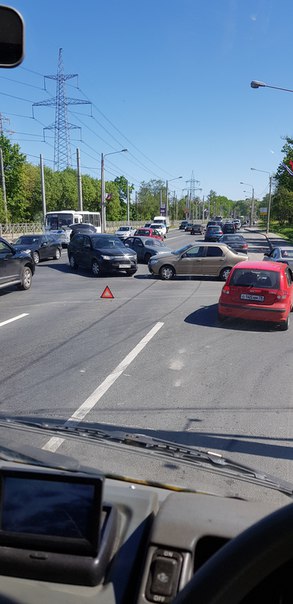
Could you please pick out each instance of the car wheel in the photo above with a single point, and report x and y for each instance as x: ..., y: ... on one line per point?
x: 96, y: 269
x: 224, y: 274
x: 285, y: 324
x: 167, y: 272
x: 36, y: 257
x: 147, y: 257
x: 72, y: 262
x: 130, y: 273
x: 26, y: 278
x: 57, y: 254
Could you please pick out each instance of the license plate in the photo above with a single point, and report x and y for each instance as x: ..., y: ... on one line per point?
x: 252, y: 297
x: 124, y: 265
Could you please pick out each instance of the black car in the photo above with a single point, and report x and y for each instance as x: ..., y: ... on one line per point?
x: 81, y: 227
x: 16, y: 266
x: 197, y: 229
x: 101, y: 254
x: 235, y: 241
x: 41, y: 247
x: 213, y: 233
x: 145, y: 247
x: 183, y: 225
x: 228, y: 227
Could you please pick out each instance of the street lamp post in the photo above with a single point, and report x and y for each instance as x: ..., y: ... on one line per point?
x: 252, y: 200
x: 167, y: 183
x: 270, y: 196
x: 103, y: 204
x: 257, y: 84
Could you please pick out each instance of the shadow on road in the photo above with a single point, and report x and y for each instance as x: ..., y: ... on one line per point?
x: 207, y: 317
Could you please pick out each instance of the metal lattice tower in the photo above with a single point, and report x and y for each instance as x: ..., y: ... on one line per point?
x: 61, y: 126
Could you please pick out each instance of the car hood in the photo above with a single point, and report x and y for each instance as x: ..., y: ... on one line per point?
x: 113, y: 453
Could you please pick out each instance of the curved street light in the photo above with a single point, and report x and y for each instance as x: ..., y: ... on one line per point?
x: 167, y: 183
x: 270, y: 196
x: 103, y: 204
x: 257, y: 84
x: 252, y: 201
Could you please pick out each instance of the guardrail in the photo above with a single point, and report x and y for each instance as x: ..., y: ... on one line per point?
x: 12, y: 230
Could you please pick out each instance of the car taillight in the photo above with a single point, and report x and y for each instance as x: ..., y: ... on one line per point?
x: 245, y: 246
x: 226, y: 290
x: 282, y: 295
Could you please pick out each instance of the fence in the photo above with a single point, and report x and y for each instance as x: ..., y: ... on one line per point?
x: 11, y: 231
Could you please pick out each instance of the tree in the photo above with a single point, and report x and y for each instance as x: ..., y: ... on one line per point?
x: 282, y: 200
x: 13, y: 162
x: 149, y: 197
x: 121, y: 183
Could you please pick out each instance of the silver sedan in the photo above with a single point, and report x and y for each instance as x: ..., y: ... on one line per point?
x: 281, y: 254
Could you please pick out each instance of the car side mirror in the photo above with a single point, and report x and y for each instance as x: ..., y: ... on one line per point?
x: 11, y: 37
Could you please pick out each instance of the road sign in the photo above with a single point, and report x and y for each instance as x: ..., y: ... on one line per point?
x: 107, y: 293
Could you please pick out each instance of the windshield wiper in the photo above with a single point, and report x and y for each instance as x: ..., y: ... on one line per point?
x: 167, y: 449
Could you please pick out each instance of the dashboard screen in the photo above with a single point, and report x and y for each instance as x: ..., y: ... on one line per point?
x: 53, y: 510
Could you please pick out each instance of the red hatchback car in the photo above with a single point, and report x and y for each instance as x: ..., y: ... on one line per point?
x: 146, y: 232
x: 258, y: 291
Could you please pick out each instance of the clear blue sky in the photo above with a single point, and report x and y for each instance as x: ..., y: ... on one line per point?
x: 173, y: 76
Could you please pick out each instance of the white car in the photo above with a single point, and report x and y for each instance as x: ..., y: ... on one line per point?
x: 125, y: 231
x: 161, y: 228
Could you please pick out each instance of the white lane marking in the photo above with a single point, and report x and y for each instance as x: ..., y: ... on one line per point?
x: 54, y: 443
x: 24, y: 314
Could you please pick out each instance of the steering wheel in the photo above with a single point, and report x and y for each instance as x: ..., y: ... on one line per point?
x: 240, y: 565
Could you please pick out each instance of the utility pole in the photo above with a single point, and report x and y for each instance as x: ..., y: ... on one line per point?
x: 61, y: 126
x: 252, y: 207
x: 3, y: 186
x: 79, y: 181
x: 103, y: 208
x: 128, y: 218
x: 43, y: 187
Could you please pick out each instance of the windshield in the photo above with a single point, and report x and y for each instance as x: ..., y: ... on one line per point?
x: 27, y: 239
x: 107, y: 242
x: 59, y: 221
x: 143, y: 113
x: 181, y: 250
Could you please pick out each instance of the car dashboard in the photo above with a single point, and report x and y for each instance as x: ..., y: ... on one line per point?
x: 110, y: 541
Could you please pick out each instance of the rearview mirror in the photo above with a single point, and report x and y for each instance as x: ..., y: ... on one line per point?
x: 11, y: 37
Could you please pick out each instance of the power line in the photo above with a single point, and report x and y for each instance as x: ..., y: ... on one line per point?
x: 123, y: 135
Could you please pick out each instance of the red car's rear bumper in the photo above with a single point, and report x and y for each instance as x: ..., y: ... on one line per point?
x: 254, y: 312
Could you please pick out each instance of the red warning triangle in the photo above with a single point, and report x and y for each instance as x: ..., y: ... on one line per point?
x: 107, y: 293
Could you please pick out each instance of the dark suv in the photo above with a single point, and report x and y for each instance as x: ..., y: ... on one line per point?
x: 16, y: 267
x: 101, y: 254
x: 81, y: 227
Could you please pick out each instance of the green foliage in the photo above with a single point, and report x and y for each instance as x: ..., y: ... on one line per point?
x: 13, y: 162
x: 149, y: 197
x: 282, y: 199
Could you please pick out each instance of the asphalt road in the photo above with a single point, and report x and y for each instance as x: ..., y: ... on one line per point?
x: 153, y: 359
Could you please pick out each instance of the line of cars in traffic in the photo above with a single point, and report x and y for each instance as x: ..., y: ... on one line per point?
x: 255, y: 290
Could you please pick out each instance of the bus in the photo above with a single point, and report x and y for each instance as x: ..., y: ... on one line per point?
x: 60, y: 221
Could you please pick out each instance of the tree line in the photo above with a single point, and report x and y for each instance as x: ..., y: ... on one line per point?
x: 24, y: 199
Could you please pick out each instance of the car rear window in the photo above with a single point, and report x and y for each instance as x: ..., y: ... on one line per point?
x: 255, y: 278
